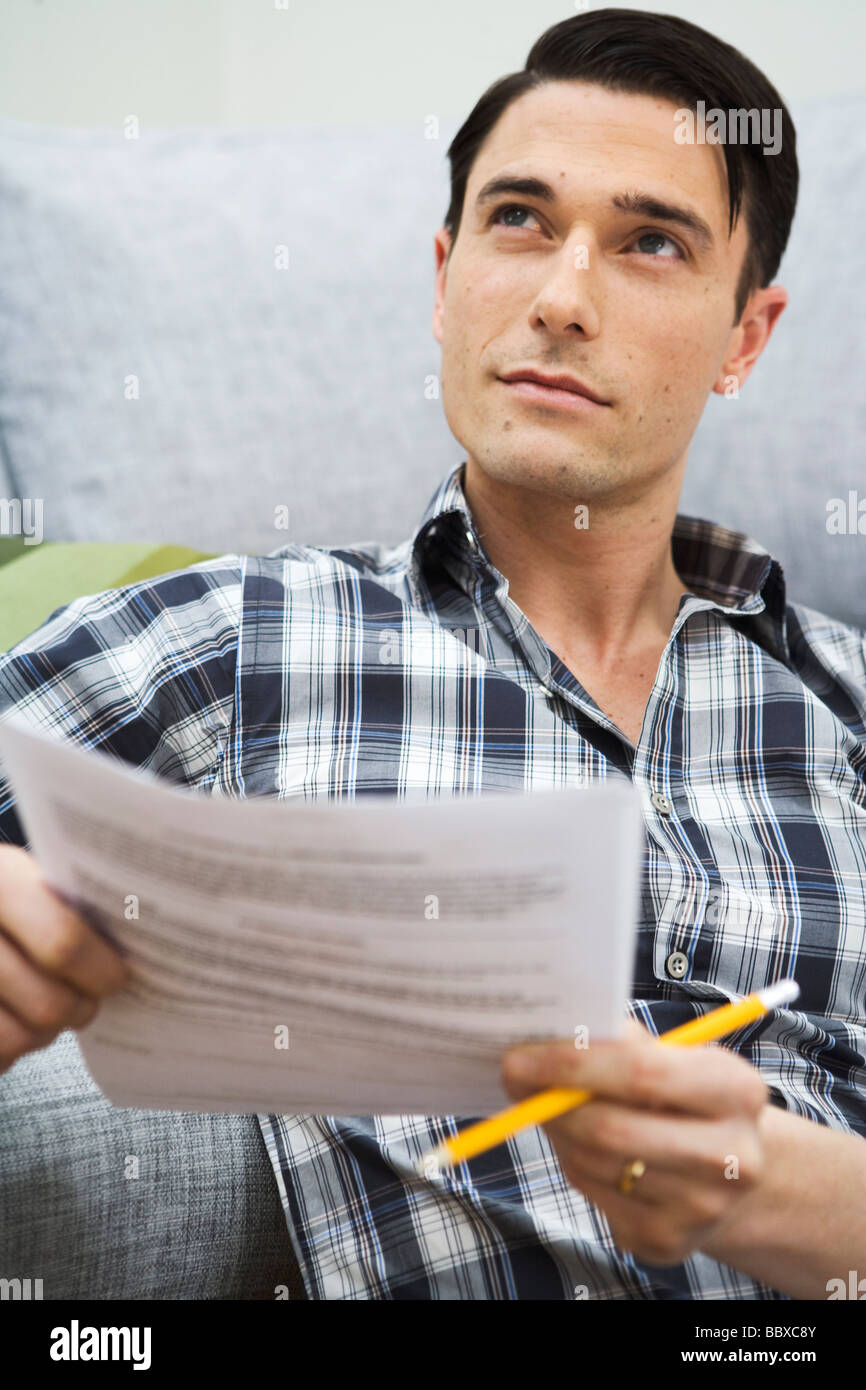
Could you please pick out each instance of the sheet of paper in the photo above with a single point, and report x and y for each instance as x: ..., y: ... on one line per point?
x: 348, y: 958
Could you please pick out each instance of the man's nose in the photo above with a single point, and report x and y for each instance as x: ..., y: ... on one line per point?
x: 569, y: 293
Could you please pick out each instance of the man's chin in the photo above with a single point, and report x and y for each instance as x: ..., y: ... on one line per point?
x: 557, y: 473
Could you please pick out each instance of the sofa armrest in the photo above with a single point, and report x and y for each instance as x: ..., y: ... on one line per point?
x: 201, y: 1220
x: 37, y: 579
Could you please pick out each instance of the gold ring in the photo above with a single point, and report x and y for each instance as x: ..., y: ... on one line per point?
x: 631, y: 1173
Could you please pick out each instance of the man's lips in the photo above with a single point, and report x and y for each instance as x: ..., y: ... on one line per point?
x: 558, y: 392
x: 563, y: 381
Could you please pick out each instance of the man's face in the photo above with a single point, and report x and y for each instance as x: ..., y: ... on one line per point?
x: 636, y: 306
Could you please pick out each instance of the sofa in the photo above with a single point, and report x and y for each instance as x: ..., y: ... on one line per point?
x: 205, y: 333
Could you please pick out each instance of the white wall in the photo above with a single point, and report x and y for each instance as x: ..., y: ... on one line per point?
x: 94, y: 62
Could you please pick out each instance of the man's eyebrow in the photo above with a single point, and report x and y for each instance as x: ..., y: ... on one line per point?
x: 644, y: 205
x: 640, y: 204
x: 511, y: 183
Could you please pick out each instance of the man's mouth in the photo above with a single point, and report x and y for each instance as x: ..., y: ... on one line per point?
x: 561, y: 392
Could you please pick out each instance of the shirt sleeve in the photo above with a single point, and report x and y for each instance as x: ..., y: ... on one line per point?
x: 815, y: 1066
x: 145, y: 672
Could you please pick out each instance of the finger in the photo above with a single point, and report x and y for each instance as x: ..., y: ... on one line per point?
x: 35, y: 999
x: 710, y: 1080
x: 601, y: 1137
x: 649, y: 1232
x: 51, y: 934
x: 16, y: 1039
x: 688, y: 1204
x: 520, y: 1089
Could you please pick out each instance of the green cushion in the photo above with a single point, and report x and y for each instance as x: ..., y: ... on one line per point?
x: 37, y: 579
x: 10, y: 546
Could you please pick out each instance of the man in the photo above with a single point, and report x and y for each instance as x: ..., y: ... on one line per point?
x: 553, y: 618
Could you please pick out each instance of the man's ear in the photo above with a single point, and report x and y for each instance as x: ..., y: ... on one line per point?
x: 441, y: 247
x: 750, y: 337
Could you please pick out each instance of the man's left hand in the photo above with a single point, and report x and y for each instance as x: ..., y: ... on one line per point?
x: 690, y: 1114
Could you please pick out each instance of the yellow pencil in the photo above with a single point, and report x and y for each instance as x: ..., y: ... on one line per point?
x: 548, y: 1104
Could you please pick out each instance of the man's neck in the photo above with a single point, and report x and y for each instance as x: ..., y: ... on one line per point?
x: 601, y: 592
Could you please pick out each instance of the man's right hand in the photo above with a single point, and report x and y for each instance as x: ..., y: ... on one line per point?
x: 55, y: 968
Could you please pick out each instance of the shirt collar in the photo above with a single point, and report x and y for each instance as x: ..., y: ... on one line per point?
x: 727, y: 569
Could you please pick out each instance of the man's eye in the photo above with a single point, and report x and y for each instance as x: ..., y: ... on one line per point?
x: 509, y: 208
x: 656, y: 237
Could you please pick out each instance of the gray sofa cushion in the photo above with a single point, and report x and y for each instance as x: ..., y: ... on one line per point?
x: 259, y: 386
x: 203, y: 1220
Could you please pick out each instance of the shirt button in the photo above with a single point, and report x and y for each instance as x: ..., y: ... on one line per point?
x: 471, y: 539
x: 677, y: 965
x: 661, y: 803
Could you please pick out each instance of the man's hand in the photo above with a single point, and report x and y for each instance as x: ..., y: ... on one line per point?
x: 691, y: 1114
x: 54, y: 967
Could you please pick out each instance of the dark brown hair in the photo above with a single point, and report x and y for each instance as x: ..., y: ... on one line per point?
x: 658, y: 55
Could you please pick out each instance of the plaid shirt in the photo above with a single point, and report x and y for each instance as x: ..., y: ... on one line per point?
x: 336, y: 672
